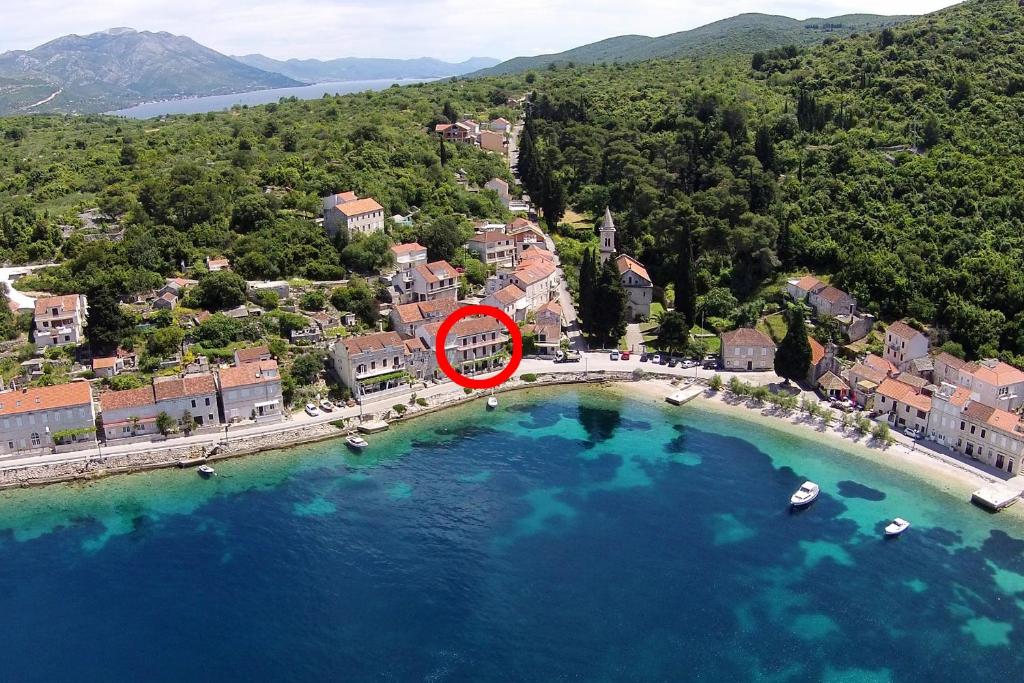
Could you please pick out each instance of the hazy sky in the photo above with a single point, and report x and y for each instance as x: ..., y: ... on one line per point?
x: 446, y: 29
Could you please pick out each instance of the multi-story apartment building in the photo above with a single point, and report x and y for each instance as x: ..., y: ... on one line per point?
x: 903, y: 344
x: 473, y: 344
x: 994, y: 382
x: 60, y: 320
x: 433, y: 281
x: 493, y: 248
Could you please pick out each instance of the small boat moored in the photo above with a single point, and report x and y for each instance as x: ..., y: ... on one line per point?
x: 206, y: 471
x: 805, y: 495
x: 492, y: 402
x: 357, y: 442
x: 897, y: 527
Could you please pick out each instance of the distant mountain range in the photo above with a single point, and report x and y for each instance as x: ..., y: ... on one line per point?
x: 118, y: 68
x: 364, y: 69
x: 745, y: 33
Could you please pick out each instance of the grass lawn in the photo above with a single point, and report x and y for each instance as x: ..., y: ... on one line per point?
x: 774, y: 326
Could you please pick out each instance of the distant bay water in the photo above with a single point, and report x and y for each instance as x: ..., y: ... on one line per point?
x: 200, y: 105
x: 569, y: 535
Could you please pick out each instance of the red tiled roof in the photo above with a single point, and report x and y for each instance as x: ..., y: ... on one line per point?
x: 358, y: 207
x: 534, y: 271
x: 67, y: 302
x: 809, y: 283
x: 129, y: 398
x: 103, y: 363
x: 832, y: 294
x: 414, y: 344
x: 508, y: 295
x: 902, y: 330
x: 169, y: 297
x: 995, y: 373
x: 865, y: 371
x: 879, y: 363
x: 552, y: 307
x: 372, y: 342
x: 950, y: 360
x: 490, y: 236
x: 407, y: 248
x: 251, y: 354
x: 45, y: 398
x: 817, y: 350
x: 436, y: 271
x: 904, y: 393
x: 180, y: 387
x: 261, y: 372
x: 746, y: 336
x: 624, y: 263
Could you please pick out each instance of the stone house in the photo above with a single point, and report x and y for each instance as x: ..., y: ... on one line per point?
x: 36, y: 420
x: 747, y: 349
x: 251, y: 391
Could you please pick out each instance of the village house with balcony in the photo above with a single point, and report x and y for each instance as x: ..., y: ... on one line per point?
x: 903, y: 405
x: 434, y: 281
x: 408, y: 257
x: 903, y: 344
x: 251, y: 391
x: 747, y: 349
x: 347, y: 213
x: 982, y: 432
x: 60, y: 320
x: 511, y: 300
x: 38, y: 420
x: 372, y: 365
x: 866, y: 376
x: 473, y: 344
x: 493, y: 248
x: 547, y: 329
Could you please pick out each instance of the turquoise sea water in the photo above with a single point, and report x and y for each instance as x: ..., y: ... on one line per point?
x: 573, y: 535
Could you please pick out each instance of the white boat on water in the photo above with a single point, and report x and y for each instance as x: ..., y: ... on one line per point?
x: 206, y: 471
x: 492, y: 402
x: 805, y: 495
x: 357, y: 442
x: 897, y: 527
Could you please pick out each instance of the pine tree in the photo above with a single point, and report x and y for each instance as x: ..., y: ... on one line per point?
x: 793, y: 357
x: 686, y: 287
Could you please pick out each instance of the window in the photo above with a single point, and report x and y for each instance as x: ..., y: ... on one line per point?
x: 207, y: 401
x: 961, y: 425
x: 193, y: 403
x: 983, y: 433
x: 972, y: 429
x: 35, y: 438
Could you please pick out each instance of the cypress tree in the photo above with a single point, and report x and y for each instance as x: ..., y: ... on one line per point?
x: 686, y: 287
x: 553, y: 200
x: 764, y: 148
x: 443, y: 153
x: 609, y: 305
x: 450, y: 113
x: 586, y: 289
x: 793, y: 357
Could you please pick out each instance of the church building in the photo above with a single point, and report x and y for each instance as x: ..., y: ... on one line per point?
x: 636, y: 281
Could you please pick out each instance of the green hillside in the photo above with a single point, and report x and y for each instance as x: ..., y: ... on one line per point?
x: 745, y: 33
x: 892, y: 162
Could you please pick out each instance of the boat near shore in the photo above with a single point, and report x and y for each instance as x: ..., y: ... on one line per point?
x: 805, y: 495
x: 356, y: 442
x: 206, y: 471
x: 896, y: 527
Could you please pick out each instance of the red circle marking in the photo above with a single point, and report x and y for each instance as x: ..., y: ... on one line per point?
x: 488, y: 382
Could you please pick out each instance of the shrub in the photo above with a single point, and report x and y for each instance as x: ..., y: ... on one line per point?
x: 760, y: 394
x: 715, y: 384
x: 467, y: 390
x: 881, y: 433
x: 529, y: 377
x: 399, y: 408
x: 421, y: 402
x: 863, y: 425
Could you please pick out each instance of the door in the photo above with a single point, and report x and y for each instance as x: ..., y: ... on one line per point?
x: 750, y: 365
x: 999, y: 461
x: 969, y: 450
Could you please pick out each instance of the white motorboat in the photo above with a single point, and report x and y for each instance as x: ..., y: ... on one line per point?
x: 805, y: 495
x: 897, y: 527
x: 492, y: 402
x: 357, y: 442
x: 206, y: 471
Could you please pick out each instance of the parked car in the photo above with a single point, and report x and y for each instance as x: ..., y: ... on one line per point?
x: 672, y: 362
x: 614, y: 355
x: 326, y: 406
x: 568, y: 357
x: 711, y: 364
x: 312, y: 410
x: 690, y: 363
x: 656, y: 358
x: 913, y: 432
x: 624, y: 355
x: 664, y: 359
x: 644, y: 357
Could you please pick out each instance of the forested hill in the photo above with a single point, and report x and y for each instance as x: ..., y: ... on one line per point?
x: 745, y: 33
x: 892, y: 161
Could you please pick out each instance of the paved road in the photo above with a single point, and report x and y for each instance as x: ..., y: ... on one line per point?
x: 634, y: 338
x: 8, y: 275
x: 513, y: 148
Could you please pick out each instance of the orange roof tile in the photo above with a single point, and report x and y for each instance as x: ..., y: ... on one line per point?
x: 507, y: 296
x: 534, y: 271
x: 371, y: 342
x: 624, y: 263
x: 45, y: 398
x: 357, y: 207
x: 747, y: 336
x: 103, y: 363
x: 67, y: 303
x: 167, y: 388
x: 817, y: 350
x: 260, y: 372
x: 128, y: 398
x: 879, y: 363
x: 407, y: 248
x: 902, y: 330
x: 252, y: 354
x: 904, y: 393
x: 995, y: 373
x: 809, y: 283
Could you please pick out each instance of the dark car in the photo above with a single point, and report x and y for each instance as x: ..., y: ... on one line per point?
x: 711, y: 364
x: 644, y: 357
x: 664, y: 359
x: 673, y: 362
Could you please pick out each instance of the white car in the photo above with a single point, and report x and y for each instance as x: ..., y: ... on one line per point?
x: 312, y: 410
x: 656, y: 358
x: 913, y: 432
x: 614, y: 355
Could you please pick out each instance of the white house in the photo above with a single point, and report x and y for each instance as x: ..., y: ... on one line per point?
x: 473, y: 344
x: 405, y: 318
x: 903, y: 344
x: 638, y: 285
x: 493, y: 248
x: 372, y: 365
x: 251, y: 391
x: 510, y: 299
x: 195, y: 394
x: 982, y: 432
x: 994, y: 382
x: 348, y: 213
x: 433, y: 281
x: 60, y: 320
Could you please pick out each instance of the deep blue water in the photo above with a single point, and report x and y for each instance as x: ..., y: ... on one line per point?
x: 575, y: 535
x: 199, y: 105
